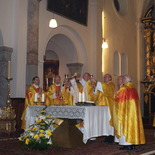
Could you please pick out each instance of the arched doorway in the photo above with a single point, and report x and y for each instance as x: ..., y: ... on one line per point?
x: 65, y: 46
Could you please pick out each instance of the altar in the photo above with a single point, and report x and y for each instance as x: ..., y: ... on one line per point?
x: 96, y: 120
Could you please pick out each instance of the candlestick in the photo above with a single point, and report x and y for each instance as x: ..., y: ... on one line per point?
x: 66, y: 75
x: 8, y: 100
x: 43, y: 98
x: 9, y: 69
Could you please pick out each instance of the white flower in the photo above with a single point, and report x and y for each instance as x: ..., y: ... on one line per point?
x: 48, y: 134
x: 32, y: 134
x: 49, y: 142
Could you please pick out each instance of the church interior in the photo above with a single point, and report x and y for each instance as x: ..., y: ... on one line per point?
x: 95, y: 36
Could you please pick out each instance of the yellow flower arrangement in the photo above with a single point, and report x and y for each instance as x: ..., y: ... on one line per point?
x: 39, y: 134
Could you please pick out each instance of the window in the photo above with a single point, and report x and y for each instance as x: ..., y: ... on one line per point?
x: 116, y: 63
x: 124, y: 65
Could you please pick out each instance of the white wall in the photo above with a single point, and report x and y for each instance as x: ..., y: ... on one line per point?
x: 83, y: 37
x: 121, y: 35
x: 120, y: 32
x: 13, y: 25
x: 13, y: 13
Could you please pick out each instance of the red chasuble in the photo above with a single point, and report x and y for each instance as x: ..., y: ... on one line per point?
x: 129, y: 119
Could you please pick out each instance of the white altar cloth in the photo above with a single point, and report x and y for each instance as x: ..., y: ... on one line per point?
x: 96, y: 118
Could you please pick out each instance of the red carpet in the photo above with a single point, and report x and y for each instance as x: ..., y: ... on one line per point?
x: 9, y: 145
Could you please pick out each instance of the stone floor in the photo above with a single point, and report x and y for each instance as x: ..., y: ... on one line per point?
x: 10, y: 145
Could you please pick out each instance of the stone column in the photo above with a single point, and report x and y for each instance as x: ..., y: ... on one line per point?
x: 32, y: 40
x: 75, y: 67
x: 5, y: 56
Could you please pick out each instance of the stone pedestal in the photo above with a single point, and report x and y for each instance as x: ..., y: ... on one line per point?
x: 5, y: 56
x: 75, y: 68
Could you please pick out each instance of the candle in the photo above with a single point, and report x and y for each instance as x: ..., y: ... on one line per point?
x: 83, y: 97
x: 36, y: 97
x: 80, y: 95
x: 66, y: 75
x: 43, y: 98
x: 9, y: 69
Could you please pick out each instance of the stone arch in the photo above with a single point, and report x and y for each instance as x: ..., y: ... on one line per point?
x: 69, y: 37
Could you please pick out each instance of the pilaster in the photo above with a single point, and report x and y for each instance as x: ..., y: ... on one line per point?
x: 32, y: 40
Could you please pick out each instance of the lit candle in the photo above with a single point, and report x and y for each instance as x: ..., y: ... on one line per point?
x: 9, y: 69
x: 80, y: 95
x: 43, y: 98
x: 83, y: 97
x: 36, y: 97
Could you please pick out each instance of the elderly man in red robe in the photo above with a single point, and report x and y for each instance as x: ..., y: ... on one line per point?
x: 128, y: 122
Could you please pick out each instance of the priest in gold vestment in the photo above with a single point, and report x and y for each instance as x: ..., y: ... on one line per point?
x: 55, y: 91
x: 60, y: 93
x: 105, y: 97
x: 88, y: 87
x: 105, y: 93
x: 67, y: 92
x: 128, y: 122
x: 35, y: 95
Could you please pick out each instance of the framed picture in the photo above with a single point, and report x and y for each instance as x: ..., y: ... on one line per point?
x: 76, y: 10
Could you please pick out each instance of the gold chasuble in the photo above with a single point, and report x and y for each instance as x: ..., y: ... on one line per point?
x: 67, y: 96
x: 80, y: 87
x: 90, y: 91
x: 30, y: 95
x: 106, y: 98
x: 129, y: 119
x: 30, y: 100
x: 54, y: 93
x: 60, y: 95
